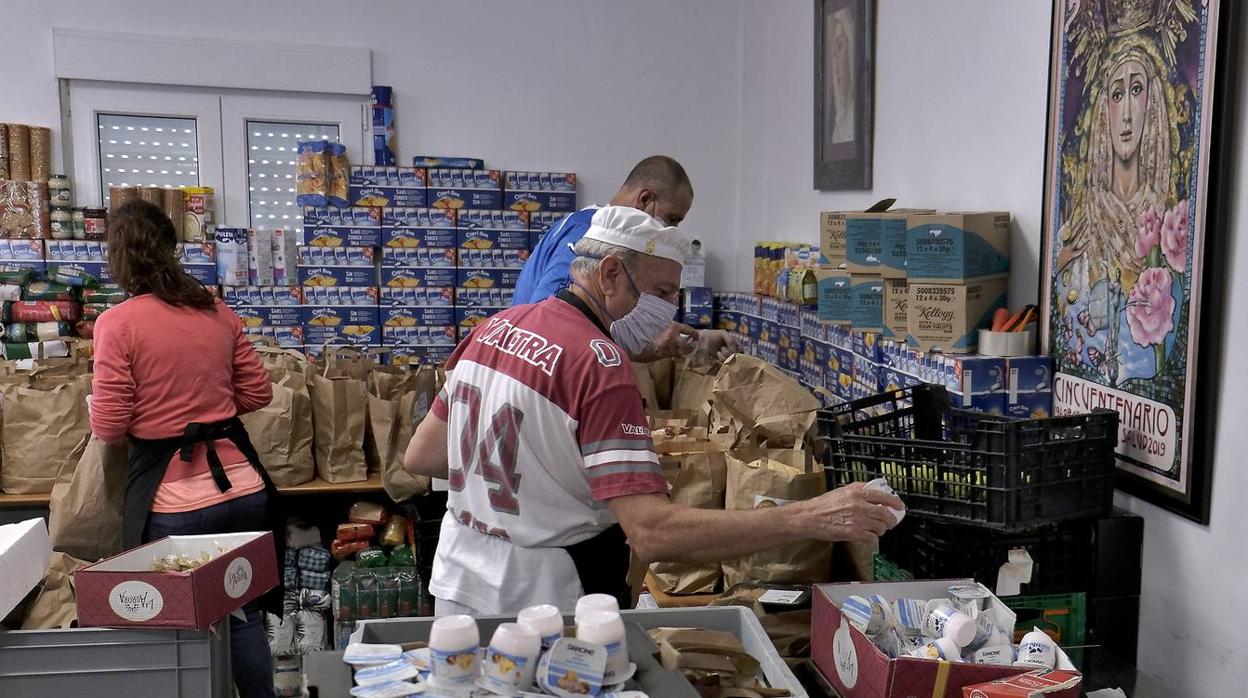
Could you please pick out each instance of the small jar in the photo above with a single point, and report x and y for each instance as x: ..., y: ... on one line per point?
x: 62, y: 223
x: 60, y: 193
x: 79, y: 224
x: 95, y: 223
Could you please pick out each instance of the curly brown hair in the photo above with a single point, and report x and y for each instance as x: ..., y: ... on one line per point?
x: 143, y: 257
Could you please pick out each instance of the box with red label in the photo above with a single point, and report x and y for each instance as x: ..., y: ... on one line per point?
x: 125, y: 590
x: 1035, y: 684
x: 856, y: 668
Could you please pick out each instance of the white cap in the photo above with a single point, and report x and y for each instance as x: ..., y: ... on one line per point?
x: 625, y: 226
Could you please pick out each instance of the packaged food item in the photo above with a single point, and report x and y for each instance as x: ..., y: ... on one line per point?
x: 402, y: 557
x: 48, y: 291
x: 24, y: 210
x: 394, y: 531
x: 36, y: 331
x: 339, y: 174
x: 312, y: 174
x: 105, y: 294
x: 200, y: 217
x: 354, y: 531
x: 369, y: 513
x: 40, y: 311
x: 341, y: 550
x: 232, y: 262
x: 371, y: 557
x: 368, y: 654
x: 94, y: 223
x: 409, y: 590
x: 398, y: 670
x: 366, y: 596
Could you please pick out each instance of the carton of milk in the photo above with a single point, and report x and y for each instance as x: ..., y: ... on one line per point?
x: 260, y: 257
x: 285, y: 258
x: 232, y: 262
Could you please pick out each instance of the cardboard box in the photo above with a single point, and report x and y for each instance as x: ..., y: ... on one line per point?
x: 896, y: 313
x: 337, y: 276
x: 448, y: 162
x: 468, y: 318
x: 285, y: 257
x: 947, y: 317
x: 875, y: 243
x: 354, y: 256
x: 410, y: 217
x: 412, y: 316
x: 456, y: 189
x: 539, y: 191
x: 493, y: 259
x: 975, y: 382
x: 409, y: 355
x: 272, y: 316
x: 337, y: 236
x: 25, y: 550
x: 412, y: 238
x: 32, y: 250
x: 401, y: 277
x: 867, y: 302
x: 98, y: 271
x: 856, y: 668
x: 334, y: 217
x: 123, y: 592
x: 832, y: 238
x: 483, y: 239
x: 205, y: 274
x: 473, y: 219
x: 348, y: 335
x: 432, y: 297
x: 419, y: 257
x: 370, y: 185
x: 335, y: 316
x: 1029, y: 387
x: 487, y: 278
x: 260, y: 257
x: 358, y: 296
x: 835, y: 297
x: 256, y: 296
x: 423, y: 335
x: 1035, y: 684
x: 231, y: 255
x: 957, y: 247
x: 286, y: 336
x: 188, y: 252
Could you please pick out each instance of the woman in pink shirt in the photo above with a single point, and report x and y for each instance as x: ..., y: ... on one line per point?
x: 173, y: 371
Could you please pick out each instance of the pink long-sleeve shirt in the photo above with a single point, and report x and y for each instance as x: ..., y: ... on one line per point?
x: 159, y: 368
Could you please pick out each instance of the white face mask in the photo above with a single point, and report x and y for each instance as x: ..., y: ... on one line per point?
x: 641, y: 327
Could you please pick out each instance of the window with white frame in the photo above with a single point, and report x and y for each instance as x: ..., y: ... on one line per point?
x: 146, y: 151
x: 271, y: 159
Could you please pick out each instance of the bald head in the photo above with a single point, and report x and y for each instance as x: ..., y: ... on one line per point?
x: 659, y: 186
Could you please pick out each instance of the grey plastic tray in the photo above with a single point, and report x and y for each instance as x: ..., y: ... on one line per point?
x: 105, y: 663
x: 739, y: 621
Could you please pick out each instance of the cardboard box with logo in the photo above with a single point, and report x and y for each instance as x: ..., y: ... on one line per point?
x: 875, y: 243
x: 947, y: 317
x: 832, y: 234
x: 867, y: 302
x: 124, y: 591
x: 953, y: 248
x: 896, y: 313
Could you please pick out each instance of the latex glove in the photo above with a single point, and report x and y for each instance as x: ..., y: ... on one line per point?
x: 88, y: 406
x: 718, y: 344
x: 677, y: 340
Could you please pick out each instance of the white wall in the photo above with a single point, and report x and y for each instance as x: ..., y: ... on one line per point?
x: 590, y: 87
x: 960, y: 122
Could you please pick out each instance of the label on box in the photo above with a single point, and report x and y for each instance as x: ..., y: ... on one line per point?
x: 333, y: 217
x: 864, y: 249
x: 337, y: 276
x: 867, y: 301
x: 333, y: 316
x: 434, y: 296
x: 320, y: 236
x: 494, y: 220
x: 237, y: 577
x: 340, y: 296
x: 399, y: 277
x: 136, y: 601
x: 564, y: 202
x: 408, y: 217
x: 416, y: 316
x: 352, y: 335
x: 411, y: 238
x: 421, y: 335
x: 205, y: 274
x: 419, y: 257
x: 484, y: 297
x: 487, y: 278
x: 259, y: 316
x: 471, y: 317
x: 98, y: 271
x: 315, y: 256
x: 491, y: 239
x: 493, y: 258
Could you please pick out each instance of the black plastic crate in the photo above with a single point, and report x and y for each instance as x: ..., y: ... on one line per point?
x: 930, y: 549
x: 971, y: 467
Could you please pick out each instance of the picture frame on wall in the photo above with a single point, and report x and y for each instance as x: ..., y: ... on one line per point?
x: 844, y: 93
x: 1142, y: 95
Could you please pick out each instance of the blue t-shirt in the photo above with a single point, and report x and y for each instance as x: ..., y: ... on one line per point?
x: 547, y: 271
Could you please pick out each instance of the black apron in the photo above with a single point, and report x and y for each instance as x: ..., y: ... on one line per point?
x: 149, y: 459
x: 602, y: 561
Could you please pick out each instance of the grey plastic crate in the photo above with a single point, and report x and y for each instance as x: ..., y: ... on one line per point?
x: 115, y: 663
x: 739, y: 621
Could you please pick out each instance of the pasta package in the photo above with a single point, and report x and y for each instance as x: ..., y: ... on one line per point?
x: 339, y: 175
x: 19, y: 152
x: 24, y: 209
x: 313, y: 174
x: 40, y: 154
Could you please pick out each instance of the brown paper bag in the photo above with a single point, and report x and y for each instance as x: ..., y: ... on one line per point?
x: 396, y: 404
x: 55, y: 606
x: 695, y: 470
x: 760, y: 478
x: 662, y: 373
x: 694, y: 384
x: 339, y: 416
x: 46, y: 428
x: 645, y: 383
x: 282, y: 432
x: 84, y: 515
x: 770, y: 406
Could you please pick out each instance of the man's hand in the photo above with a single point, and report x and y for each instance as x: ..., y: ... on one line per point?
x: 717, y: 345
x: 849, y: 513
x: 677, y: 340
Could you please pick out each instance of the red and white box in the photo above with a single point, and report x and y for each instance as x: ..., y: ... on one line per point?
x: 856, y: 668
x: 124, y: 592
x: 1034, y: 684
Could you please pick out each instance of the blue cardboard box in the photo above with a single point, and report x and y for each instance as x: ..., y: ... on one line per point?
x: 863, y: 244
x: 412, y: 238
x: 408, y: 355
x: 835, y: 296
x: 205, y: 274
x: 337, y: 276
x: 1029, y: 387
x: 32, y: 250
x: 867, y: 345
x: 460, y: 189
x: 699, y: 318
x: 406, y: 277
x: 487, y: 278
x: 258, y: 296
x: 410, y: 217
x: 953, y: 248
x: 501, y: 219
x: 496, y: 297
x: 413, y: 316
x: 419, y: 257
x: 325, y: 236
x: 485, y: 239
x: 333, y: 316
x: 867, y: 302
x: 349, y: 335
x: 468, y: 318
x: 428, y: 297
x: 387, y: 186
x: 84, y: 271
x: 287, y: 337
x: 272, y: 315
x: 355, y: 256
x: 358, y: 296
x: 334, y: 217
x: 431, y: 161
x: 976, y: 382
x: 698, y: 297
x: 493, y: 258
x: 541, y: 221
x: 421, y: 335
x: 539, y: 191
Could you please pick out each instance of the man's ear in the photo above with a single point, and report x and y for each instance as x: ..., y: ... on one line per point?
x: 610, y: 269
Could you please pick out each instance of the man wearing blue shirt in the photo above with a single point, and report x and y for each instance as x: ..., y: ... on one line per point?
x: 657, y: 185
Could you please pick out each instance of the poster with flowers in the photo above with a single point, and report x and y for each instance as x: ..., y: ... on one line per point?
x: 1131, y: 234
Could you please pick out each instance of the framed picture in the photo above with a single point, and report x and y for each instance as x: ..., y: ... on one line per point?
x: 844, y: 93
x: 1136, y: 219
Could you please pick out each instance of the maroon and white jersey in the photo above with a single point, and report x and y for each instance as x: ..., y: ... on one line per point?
x: 545, y: 423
